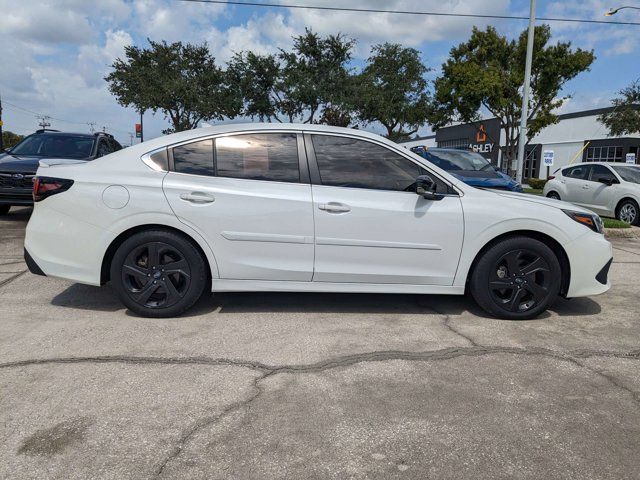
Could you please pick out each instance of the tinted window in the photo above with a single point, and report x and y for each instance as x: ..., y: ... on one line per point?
x: 55, y: 145
x: 195, y: 158
x: 576, y: 172
x: 264, y: 156
x: 600, y: 172
x: 347, y: 162
x: 104, y: 148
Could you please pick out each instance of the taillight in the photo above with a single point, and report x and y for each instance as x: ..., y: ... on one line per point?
x: 551, y: 177
x: 44, y: 187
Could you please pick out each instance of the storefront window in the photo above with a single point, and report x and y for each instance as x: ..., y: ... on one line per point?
x: 604, y: 154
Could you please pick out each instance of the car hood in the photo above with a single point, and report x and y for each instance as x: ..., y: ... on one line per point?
x: 29, y: 164
x: 10, y: 163
x: 550, y: 202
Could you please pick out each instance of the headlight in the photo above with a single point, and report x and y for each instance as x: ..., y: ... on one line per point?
x: 591, y: 220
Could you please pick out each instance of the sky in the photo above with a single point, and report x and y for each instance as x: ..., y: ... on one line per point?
x: 56, y: 52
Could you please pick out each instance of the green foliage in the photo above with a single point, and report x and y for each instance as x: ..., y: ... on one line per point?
x: 536, y: 183
x: 298, y: 84
x: 613, y: 223
x: 392, y: 90
x: 9, y: 139
x: 182, y: 81
x: 487, y: 72
x: 624, y: 119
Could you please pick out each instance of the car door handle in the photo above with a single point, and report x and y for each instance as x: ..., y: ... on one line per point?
x: 334, y: 207
x: 197, y: 197
x: 585, y: 187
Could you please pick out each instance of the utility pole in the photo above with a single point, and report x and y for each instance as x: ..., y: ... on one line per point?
x: 44, y: 121
x: 141, y: 127
x: 525, y: 93
x: 92, y: 127
x: 1, y: 142
x: 131, y: 135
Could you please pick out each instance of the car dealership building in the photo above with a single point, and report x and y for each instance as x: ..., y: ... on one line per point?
x: 577, y: 137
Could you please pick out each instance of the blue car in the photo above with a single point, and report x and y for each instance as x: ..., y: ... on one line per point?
x: 470, y: 167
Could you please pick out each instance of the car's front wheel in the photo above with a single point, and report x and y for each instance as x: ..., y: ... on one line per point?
x: 517, y: 278
x: 158, y: 273
x: 628, y: 212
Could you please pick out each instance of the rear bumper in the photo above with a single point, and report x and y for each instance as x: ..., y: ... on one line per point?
x: 58, y: 245
x: 590, y: 257
x: 32, y: 265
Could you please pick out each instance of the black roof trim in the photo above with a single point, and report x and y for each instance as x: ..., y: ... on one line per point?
x: 589, y: 113
x: 426, y: 137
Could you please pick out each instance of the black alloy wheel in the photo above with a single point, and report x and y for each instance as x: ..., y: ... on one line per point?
x: 158, y: 273
x: 520, y: 280
x: 516, y: 278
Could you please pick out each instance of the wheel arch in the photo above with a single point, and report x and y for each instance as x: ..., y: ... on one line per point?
x: 548, y: 240
x: 105, y: 269
x: 622, y: 200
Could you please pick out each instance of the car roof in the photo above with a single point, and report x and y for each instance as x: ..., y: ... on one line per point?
x: 611, y: 164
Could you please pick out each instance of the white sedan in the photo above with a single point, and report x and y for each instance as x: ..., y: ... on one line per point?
x: 609, y: 189
x: 303, y: 208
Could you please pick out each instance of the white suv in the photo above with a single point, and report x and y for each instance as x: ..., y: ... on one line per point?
x: 609, y: 189
x: 276, y: 207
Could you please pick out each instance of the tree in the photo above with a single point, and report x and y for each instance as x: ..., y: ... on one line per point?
x: 182, y: 81
x: 9, y: 139
x: 392, y: 90
x: 486, y: 73
x: 294, y: 85
x: 624, y: 119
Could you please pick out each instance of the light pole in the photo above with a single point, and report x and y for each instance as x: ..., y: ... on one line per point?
x: 613, y: 11
x: 525, y: 92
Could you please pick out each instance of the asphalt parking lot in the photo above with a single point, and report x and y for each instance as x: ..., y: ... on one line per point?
x: 314, y: 385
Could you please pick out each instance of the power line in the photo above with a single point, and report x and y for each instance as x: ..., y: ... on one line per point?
x: 57, y: 119
x: 407, y: 12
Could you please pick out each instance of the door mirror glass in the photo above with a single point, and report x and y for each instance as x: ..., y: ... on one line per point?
x: 608, y: 181
x: 426, y: 187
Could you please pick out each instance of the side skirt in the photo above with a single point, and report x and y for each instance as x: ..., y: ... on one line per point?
x: 223, y: 285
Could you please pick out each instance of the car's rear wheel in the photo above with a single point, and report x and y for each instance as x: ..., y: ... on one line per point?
x: 628, y: 212
x: 4, y: 209
x: 553, y: 195
x: 158, y: 273
x: 517, y: 278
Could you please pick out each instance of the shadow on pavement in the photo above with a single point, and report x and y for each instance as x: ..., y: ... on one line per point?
x: 87, y: 297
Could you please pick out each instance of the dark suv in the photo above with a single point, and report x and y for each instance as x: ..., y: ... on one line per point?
x: 19, y: 164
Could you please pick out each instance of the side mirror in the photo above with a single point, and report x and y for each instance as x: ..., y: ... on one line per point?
x: 608, y: 181
x: 426, y: 187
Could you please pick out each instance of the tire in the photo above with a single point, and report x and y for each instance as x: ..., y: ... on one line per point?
x: 628, y: 212
x: 553, y: 195
x: 166, y: 258
x: 4, y: 209
x: 516, y: 279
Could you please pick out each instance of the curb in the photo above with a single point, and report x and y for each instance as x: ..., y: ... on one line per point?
x: 633, y: 232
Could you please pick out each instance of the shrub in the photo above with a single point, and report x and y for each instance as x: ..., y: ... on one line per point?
x: 537, y: 183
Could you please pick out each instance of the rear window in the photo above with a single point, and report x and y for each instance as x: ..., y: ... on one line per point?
x: 579, y: 172
x: 194, y: 158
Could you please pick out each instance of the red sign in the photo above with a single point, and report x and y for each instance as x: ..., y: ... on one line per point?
x: 138, y: 130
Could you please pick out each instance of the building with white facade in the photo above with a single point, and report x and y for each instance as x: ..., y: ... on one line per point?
x: 577, y: 137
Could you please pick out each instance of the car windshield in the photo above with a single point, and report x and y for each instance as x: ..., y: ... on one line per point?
x: 458, y: 160
x: 628, y: 173
x: 58, y: 146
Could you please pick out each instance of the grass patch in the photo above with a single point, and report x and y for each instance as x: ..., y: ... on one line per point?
x: 613, y: 223
x: 533, y: 191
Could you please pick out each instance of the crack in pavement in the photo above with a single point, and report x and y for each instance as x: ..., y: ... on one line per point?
x: 266, y: 371
x: 11, y: 279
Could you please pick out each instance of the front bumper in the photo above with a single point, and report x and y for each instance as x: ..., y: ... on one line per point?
x: 590, y: 257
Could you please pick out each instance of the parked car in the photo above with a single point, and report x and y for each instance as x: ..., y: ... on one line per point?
x: 303, y: 208
x: 470, y: 167
x: 18, y: 165
x: 609, y: 189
